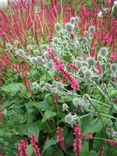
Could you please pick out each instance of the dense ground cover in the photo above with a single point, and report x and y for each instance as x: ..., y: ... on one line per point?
x: 58, y: 78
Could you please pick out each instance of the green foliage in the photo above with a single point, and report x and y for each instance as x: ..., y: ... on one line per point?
x: 38, y: 101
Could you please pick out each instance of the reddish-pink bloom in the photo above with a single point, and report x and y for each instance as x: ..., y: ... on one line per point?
x: 6, y: 58
x: 113, y: 143
x: 100, y: 152
x: 1, y: 115
x: 2, y: 154
x: 113, y: 56
x: 87, y: 136
x: 56, y: 98
x: 74, y: 84
x: 23, y: 75
x: 77, y: 144
x: 35, y: 146
x: 60, y: 138
x: 1, y: 64
x: 22, y: 148
x: 27, y: 85
x: 65, y: 74
x: 26, y: 67
x: 99, y: 69
x: 72, y: 67
x: 26, y: 81
x: 55, y: 76
x: 58, y: 67
x: 18, y: 67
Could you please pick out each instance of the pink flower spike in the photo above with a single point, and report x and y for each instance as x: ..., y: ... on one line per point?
x: 22, y: 148
x: 113, y: 143
x: 77, y: 144
x: 113, y: 56
x: 87, y: 136
x: 35, y: 146
x: 60, y: 138
x: 75, y: 85
x: 1, y: 64
x: 100, y: 152
x: 1, y: 116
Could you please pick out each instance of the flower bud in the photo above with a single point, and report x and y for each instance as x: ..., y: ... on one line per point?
x: 68, y: 118
x: 34, y: 60
x: 9, y: 46
x: 47, y: 87
x: 56, y: 40
x: 113, y: 68
x: 72, y: 20
x: 77, y: 63
x: 88, y: 73
x: 84, y: 63
x: 64, y: 43
x: 65, y: 107
x: 29, y: 47
x: 16, y: 42
x: 39, y: 58
x: 109, y: 131
x: 103, y: 52
x: 35, y: 85
x: 76, y: 102
x: 36, y: 52
x: 58, y: 26
x: 44, y: 47
x: 91, y: 61
x: 77, y: 19
x: 54, y: 90
x: 69, y: 27
x: 109, y: 123
x: 20, y: 52
x: 100, y: 58
x: 46, y: 56
x: 91, y: 29
x: 114, y: 134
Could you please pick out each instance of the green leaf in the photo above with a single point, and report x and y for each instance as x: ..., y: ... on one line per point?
x: 93, y: 153
x: 48, y: 115
x: 92, y: 126
x: 85, y: 151
x: 116, y: 124
x: 97, y: 143
x: 30, y: 149
x: 33, y: 130
x: 43, y: 105
x: 67, y: 58
x: 29, y: 107
x: 12, y: 88
x: 68, y: 140
x: 49, y: 143
x: 113, y: 92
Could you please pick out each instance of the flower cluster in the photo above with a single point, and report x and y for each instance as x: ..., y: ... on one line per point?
x: 22, y: 148
x: 1, y: 116
x: 65, y: 75
x: 60, y: 138
x: 35, y: 146
x: 77, y: 144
